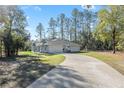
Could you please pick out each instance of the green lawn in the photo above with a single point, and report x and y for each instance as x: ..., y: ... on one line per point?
x: 22, y: 70
x: 29, y: 53
x: 51, y: 59
x: 114, y: 60
x: 104, y: 56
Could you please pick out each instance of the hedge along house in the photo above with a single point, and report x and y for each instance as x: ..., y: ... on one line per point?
x: 56, y: 46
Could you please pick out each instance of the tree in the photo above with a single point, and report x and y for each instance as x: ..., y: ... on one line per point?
x: 68, y: 26
x: 85, y: 26
x: 0, y: 43
x: 3, y: 20
x: 7, y: 38
x: 39, y: 30
x: 75, y: 13
x: 13, y: 26
x: 102, y: 40
x: 61, y: 22
x: 111, y: 19
x: 3, y: 15
x: 52, y: 28
x: 19, y: 26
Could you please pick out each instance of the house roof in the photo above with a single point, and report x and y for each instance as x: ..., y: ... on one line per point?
x: 60, y: 42
x: 57, y: 42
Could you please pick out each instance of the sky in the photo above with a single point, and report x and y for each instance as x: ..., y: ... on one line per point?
x: 42, y: 13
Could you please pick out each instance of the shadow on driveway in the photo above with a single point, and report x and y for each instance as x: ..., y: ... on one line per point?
x: 61, y: 77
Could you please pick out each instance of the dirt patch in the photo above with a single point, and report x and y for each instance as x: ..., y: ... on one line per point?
x: 21, y: 71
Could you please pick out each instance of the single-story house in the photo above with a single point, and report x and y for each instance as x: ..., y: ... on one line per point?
x: 56, y: 46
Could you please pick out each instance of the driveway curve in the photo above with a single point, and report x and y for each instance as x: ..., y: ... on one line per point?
x: 78, y: 71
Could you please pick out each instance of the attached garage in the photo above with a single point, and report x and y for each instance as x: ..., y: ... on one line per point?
x: 59, y: 46
x: 55, y: 49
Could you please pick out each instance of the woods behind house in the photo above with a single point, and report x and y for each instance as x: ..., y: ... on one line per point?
x: 93, y: 30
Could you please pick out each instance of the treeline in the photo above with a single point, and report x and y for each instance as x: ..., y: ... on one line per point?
x: 102, y: 30
x: 77, y: 28
x: 13, y: 35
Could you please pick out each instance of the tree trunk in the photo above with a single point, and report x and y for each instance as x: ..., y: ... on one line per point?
x: 8, y: 52
x: 62, y: 36
x: 40, y: 35
x: 1, y: 48
x: 17, y: 51
x: 113, y: 40
x: 75, y: 30
x: 10, y: 47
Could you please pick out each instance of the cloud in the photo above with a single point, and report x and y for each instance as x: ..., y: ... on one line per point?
x: 33, y: 7
x: 28, y: 17
x: 37, y: 8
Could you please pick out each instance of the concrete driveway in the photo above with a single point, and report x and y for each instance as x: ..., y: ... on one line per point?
x: 78, y: 71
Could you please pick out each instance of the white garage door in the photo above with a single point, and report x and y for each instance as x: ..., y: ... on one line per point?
x: 55, y: 49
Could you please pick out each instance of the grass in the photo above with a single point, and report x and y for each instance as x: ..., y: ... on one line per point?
x: 22, y: 70
x: 104, y: 56
x: 28, y: 53
x: 114, y: 60
x: 51, y: 59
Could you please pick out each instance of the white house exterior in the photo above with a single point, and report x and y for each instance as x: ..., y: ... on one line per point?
x: 56, y: 46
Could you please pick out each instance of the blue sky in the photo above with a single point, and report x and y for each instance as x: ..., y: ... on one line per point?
x: 42, y: 13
